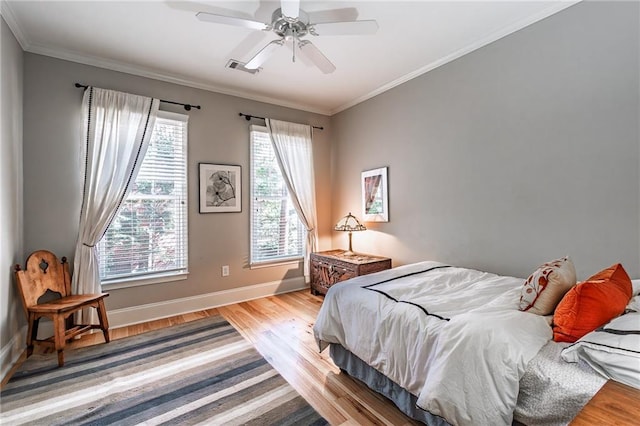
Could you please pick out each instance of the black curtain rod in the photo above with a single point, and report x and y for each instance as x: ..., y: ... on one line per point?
x: 186, y: 106
x: 249, y: 117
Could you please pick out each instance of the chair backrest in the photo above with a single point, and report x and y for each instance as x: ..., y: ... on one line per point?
x: 43, y: 272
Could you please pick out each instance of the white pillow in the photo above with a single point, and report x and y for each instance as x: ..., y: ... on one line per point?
x: 635, y: 284
x: 613, y: 350
x: 634, y: 304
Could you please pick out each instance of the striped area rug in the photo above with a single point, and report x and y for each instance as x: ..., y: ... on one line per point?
x: 201, y: 372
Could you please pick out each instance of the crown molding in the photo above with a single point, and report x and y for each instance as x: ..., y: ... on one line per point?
x: 7, y: 14
x: 159, y: 75
x: 510, y: 29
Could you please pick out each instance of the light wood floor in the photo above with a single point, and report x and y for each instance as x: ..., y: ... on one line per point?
x: 280, y: 327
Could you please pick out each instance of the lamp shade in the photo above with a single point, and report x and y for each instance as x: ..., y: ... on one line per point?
x: 349, y: 223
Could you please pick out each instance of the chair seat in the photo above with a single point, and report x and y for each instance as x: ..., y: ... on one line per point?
x: 68, y: 303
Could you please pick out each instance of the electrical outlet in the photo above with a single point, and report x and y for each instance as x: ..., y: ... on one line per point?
x: 225, y: 270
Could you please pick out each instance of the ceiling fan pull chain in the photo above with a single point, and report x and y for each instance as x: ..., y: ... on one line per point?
x: 295, y: 39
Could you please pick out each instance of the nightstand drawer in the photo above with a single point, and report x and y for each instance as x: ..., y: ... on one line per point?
x: 334, y: 266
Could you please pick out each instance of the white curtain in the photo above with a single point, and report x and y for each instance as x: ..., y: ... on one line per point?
x: 117, y: 130
x: 294, y: 152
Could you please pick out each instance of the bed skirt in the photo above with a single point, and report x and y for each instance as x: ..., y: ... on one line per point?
x: 405, y: 401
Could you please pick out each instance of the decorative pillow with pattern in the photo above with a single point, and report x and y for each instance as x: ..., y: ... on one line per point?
x: 544, y: 289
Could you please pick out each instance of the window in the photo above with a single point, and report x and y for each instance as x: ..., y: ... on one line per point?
x: 148, y: 237
x: 276, y: 231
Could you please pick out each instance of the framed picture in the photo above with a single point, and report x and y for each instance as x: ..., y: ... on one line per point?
x: 375, y: 198
x: 220, y: 188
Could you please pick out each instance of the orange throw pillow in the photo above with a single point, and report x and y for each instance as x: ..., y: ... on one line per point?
x: 592, y: 304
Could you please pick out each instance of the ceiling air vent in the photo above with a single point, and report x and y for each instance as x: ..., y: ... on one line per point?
x: 240, y: 66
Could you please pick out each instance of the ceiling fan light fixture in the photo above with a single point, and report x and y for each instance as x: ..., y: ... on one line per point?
x: 290, y: 34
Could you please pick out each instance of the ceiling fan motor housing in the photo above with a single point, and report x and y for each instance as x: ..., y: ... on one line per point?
x: 288, y: 27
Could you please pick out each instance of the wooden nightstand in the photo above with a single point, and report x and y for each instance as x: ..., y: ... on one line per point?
x: 333, y: 266
x: 614, y: 404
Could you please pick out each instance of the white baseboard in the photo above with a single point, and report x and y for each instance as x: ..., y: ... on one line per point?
x: 10, y: 353
x: 153, y: 311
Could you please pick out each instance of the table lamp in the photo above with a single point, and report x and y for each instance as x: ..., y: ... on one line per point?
x: 349, y: 223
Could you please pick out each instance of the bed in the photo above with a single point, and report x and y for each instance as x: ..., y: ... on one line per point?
x: 450, y: 345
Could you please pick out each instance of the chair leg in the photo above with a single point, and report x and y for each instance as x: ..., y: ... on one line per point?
x: 32, y: 333
x: 104, y: 322
x: 59, y: 336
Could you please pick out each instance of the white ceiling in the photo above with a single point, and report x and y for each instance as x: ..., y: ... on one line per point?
x: 164, y: 40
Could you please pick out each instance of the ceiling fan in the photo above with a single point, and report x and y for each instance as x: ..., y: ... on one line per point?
x: 291, y: 24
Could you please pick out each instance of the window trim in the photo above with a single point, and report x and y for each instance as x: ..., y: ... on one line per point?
x: 268, y: 263
x: 280, y: 262
x: 156, y: 278
x: 164, y: 276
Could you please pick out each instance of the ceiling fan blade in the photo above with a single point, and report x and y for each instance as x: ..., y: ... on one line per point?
x: 334, y: 15
x: 344, y: 28
x: 314, y: 54
x: 231, y: 20
x: 263, y: 54
x: 290, y: 8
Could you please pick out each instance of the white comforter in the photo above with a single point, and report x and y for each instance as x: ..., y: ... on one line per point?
x: 453, y: 337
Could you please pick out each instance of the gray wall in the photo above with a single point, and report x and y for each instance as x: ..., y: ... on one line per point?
x: 52, y: 174
x: 522, y: 151
x: 11, y: 66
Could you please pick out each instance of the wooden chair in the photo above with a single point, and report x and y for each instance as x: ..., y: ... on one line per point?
x: 45, y: 288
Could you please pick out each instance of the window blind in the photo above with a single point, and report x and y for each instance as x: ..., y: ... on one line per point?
x: 276, y: 231
x: 149, y: 236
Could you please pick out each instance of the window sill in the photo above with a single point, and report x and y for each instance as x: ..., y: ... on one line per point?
x: 269, y: 264
x: 140, y: 281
